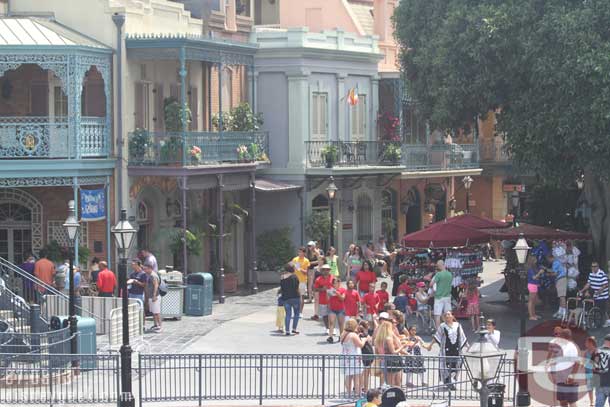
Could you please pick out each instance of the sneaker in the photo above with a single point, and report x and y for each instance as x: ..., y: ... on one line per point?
x: 156, y: 329
x: 330, y: 339
x: 151, y: 329
x: 315, y: 318
x: 607, y: 324
x: 287, y: 333
x: 327, y: 331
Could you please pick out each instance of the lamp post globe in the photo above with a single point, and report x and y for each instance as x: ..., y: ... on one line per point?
x: 483, y: 361
x: 72, y: 227
x: 331, y: 191
x: 521, y: 249
x: 124, y: 234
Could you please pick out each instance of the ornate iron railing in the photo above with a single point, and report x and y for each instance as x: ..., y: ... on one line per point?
x: 491, y: 152
x: 196, y: 148
x: 49, y: 137
x: 352, y: 153
x: 421, y: 157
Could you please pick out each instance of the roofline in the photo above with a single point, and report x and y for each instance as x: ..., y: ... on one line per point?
x: 41, y: 49
x: 162, y: 41
x: 321, y: 53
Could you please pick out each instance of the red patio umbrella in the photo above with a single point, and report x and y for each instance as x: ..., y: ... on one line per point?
x: 443, y: 235
x: 476, y: 222
x: 536, y: 232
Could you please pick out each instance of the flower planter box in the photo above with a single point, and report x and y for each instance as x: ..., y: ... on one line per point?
x: 231, y: 282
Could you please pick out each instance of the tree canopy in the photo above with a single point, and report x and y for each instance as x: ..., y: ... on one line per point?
x: 544, y: 65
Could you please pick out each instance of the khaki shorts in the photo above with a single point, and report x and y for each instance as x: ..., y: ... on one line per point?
x: 561, y: 285
x: 303, y: 288
x: 154, y: 306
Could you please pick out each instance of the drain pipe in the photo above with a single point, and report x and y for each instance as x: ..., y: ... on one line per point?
x: 119, y: 20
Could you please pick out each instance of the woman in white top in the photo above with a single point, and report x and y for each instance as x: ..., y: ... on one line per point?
x: 451, y: 339
x: 351, y: 347
x: 492, y: 335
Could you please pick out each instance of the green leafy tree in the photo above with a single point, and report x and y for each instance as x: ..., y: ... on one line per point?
x: 543, y: 65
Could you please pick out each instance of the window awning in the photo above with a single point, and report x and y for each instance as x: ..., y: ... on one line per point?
x: 42, y: 32
x: 266, y: 185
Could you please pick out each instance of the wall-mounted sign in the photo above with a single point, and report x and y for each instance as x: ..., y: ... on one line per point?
x: 513, y: 188
x: 347, y: 226
x: 92, y: 204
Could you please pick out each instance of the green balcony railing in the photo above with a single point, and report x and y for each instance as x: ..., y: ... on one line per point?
x: 352, y: 153
x: 191, y: 148
x: 438, y: 157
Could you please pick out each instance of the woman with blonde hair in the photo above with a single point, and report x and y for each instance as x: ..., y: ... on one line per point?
x: 388, y: 345
x: 351, y: 349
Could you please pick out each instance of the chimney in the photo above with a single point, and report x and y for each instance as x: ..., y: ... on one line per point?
x: 381, y: 20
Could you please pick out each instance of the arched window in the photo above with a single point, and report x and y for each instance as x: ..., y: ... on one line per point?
x: 389, y: 226
x: 320, y: 202
x: 364, y: 218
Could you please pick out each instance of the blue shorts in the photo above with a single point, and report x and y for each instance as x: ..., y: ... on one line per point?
x: 340, y: 313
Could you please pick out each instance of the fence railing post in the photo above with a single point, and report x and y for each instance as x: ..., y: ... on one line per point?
x: 140, y: 379
x: 323, y: 377
x: 260, y: 380
x: 200, y: 380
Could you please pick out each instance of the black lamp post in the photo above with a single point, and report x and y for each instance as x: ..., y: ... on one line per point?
x: 72, y: 227
x: 331, y: 191
x: 483, y: 360
x: 515, y: 201
x: 467, y: 181
x: 124, y: 233
x: 521, y: 250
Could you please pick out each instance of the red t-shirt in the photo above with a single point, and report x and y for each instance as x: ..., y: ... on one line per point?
x: 335, y: 303
x: 326, y: 282
x: 352, y: 301
x: 384, y: 298
x: 106, y: 281
x: 371, y: 301
x: 406, y: 287
x: 365, y: 278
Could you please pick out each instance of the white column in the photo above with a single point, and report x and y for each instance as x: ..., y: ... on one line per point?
x: 374, y: 108
x: 342, y: 106
x: 298, y: 118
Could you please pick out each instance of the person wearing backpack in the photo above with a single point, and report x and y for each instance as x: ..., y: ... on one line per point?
x: 153, y: 296
x: 601, y: 368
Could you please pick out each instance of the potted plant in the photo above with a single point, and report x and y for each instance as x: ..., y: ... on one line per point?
x: 171, y: 149
x: 242, y: 153
x: 139, y: 144
x: 273, y: 249
x: 239, y: 118
x: 330, y: 154
x: 392, y: 153
x: 195, y: 155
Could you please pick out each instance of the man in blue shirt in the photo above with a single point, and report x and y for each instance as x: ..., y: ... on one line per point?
x: 137, y: 281
x: 561, y: 284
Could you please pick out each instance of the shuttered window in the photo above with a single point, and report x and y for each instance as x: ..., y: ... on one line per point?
x: 143, y: 105
x: 60, y: 102
x: 193, y: 99
x: 358, y: 122
x: 364, y: 218
x: 319, y: 120
x: 159, y: 117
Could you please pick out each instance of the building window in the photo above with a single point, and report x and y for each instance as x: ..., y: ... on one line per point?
x: 143, y: 221
x: 60, y: 102
x: 57, y: 232
x: 358, y: 120
x: 388, y: 215
x: 364, y: 218
x: 227, y: 89
x: 414, y: 126
x: 319, y: 116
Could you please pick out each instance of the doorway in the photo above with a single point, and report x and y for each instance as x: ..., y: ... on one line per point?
x: 15, y: 232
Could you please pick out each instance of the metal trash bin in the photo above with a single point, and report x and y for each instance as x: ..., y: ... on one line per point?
x: 199, y: 294
x: 495, y: 395
x: 86, y: 342
x: 392, y: 396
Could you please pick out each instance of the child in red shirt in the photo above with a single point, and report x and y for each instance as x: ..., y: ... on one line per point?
x: 336, y: 305
x: 371, y: 303
x: 405, y: 286
x: 352, y: 300
x: 365, y: 277
x: 321, y: 285
x: 384, y: 296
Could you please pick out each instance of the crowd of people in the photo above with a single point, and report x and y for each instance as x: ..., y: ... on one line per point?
x: 357, y: 310
x: 143, y: 284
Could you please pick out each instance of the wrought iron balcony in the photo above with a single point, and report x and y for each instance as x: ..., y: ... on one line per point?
x: 196, y: 148
x: 438, y: 157
x: 493, y: 153
x: 49, y: 137
x: 352, y: 153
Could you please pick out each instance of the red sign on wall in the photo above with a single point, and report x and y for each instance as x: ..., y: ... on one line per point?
x: 513, y: 188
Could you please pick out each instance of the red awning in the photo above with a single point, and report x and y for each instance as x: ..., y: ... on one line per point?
x: 476, y: 222
x: 536, y: 232
x: 445, y: 234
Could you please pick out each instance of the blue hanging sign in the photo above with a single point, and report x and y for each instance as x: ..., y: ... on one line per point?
x: 92, y: 204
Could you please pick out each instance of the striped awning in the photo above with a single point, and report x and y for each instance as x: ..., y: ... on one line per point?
x: 267, y: 185
x: 37, y: 31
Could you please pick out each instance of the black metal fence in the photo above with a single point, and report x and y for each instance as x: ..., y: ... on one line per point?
x: 53, y: 379
x: 203, y: 377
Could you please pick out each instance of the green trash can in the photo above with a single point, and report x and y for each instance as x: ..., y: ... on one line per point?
x: 87, y: 340
x: 199, y: 294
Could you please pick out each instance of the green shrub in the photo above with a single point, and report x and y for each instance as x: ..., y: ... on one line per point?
x: 274, y: 249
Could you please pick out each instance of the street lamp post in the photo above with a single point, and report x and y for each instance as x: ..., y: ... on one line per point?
x: 514, y: 198
x: 124, y: 233
x: 72, y: 227
x: 467, y: 181
x: 483, y: 360
x: 331, y: 191
x: 521, y: 250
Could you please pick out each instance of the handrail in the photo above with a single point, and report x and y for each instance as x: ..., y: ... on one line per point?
x: 35, y: 280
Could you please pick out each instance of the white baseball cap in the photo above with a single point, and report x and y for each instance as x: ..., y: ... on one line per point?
x: 384, y: 315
